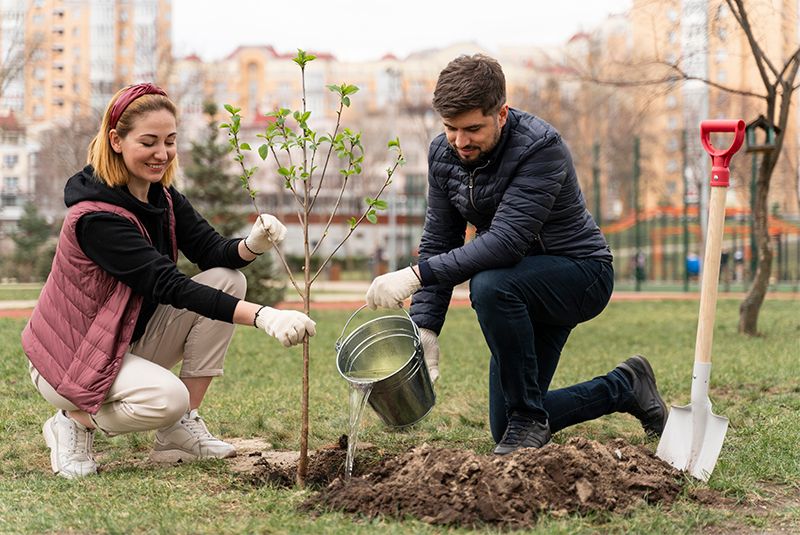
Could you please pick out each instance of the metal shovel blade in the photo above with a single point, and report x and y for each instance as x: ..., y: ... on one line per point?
x: 692, y: 439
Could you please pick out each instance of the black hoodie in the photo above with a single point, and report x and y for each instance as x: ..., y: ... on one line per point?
x: 117, y: 245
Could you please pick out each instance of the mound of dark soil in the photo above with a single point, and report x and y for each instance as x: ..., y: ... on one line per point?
x: 324, y: 465
x: 457, y: 487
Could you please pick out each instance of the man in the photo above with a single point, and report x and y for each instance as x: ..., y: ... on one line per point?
x: 538, y: 266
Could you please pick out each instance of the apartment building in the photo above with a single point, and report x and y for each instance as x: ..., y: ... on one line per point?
x: 63, y: 60
x: 703, y: 37
x: 79, y: 52
x: 15, y: 176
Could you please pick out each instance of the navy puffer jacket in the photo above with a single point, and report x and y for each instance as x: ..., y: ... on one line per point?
x: 523, y: 199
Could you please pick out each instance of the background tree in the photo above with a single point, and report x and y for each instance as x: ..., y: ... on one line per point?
x: 214, y: 192
x: 62, y: 154
x: 33, y: 248
x: 779, y: 79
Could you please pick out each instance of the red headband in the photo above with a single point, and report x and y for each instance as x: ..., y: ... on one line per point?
x: 128, y: 95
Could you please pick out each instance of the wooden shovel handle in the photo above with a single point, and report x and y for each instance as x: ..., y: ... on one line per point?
x: 710, y: 281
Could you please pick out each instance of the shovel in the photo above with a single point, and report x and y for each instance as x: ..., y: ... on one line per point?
x: 693, y: 435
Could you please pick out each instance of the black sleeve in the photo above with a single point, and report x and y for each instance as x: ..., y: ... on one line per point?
x: 198, y: 240
x: 118, y: 246
x: 444, y: 230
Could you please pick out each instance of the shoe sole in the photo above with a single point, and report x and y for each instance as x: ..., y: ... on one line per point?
x: 652, y: 376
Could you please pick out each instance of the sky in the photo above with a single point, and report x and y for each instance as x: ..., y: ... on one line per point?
x: 357, y: 30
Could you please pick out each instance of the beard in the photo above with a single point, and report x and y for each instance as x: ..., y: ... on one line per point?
x: 481, y: 151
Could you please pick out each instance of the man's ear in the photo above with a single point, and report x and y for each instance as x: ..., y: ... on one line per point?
x: 115, y: 141
x: 502, y: 115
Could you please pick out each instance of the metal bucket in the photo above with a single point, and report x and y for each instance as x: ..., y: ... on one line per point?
x: 387, y: 352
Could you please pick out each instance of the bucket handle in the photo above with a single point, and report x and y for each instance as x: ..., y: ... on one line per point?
x: 338, y: 345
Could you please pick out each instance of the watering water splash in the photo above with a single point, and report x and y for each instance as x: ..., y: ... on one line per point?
x: 359, y: 393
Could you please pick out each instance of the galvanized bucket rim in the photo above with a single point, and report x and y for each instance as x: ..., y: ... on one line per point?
x: 342, y: 343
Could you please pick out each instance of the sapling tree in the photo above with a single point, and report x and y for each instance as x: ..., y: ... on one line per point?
x: 304, y: 159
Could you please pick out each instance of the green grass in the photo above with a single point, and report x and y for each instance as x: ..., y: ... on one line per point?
x: 19, y: 292
x: 755, y: 383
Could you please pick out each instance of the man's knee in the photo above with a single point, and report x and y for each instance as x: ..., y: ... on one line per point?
x: 485, y: 287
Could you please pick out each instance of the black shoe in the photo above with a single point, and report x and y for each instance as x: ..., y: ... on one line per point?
x: 647, y: 404
x: 523, y: 432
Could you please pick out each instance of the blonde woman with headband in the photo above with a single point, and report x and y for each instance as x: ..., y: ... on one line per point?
x: 116, y: 314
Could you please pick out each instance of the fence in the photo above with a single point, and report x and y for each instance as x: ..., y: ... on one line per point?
x: 664, y: 250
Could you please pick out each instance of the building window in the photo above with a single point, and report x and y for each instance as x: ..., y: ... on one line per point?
x: 672, y: 37
x: 8, y: 199
x: 11, y: 184
x: 672, y: 123
x: 672, y: 144
x: 10, y: 161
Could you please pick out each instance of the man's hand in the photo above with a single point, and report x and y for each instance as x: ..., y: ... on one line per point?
x: 288, y: 326
x: 430, y: 349
x: 266, y: 232
x: 391, y: 289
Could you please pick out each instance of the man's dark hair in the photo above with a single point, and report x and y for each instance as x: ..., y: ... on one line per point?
x: 470, y: 82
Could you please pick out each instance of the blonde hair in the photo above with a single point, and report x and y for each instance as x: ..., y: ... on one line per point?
x: 109, y: 167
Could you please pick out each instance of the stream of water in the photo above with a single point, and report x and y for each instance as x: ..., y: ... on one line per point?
x: 359, y: 394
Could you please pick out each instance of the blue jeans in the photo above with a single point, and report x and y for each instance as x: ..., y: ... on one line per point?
x: 526, y: 313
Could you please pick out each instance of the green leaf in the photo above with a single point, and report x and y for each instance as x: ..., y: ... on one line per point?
x: 371, y: 217
x: 283, y: 171
x: 244, y: 146
x: 352, y: 222
x: 380, y: 205
x: 263, y: 151
x: 346, y: 101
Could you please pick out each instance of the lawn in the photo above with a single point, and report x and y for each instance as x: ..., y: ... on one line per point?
x: 755, y: 383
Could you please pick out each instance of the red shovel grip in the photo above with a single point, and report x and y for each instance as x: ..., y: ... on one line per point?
x: 721, y: 159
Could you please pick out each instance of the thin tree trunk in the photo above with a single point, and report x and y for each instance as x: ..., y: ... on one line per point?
x: 751, y: 306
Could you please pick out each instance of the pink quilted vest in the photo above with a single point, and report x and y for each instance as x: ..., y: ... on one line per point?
x: 84, y: 319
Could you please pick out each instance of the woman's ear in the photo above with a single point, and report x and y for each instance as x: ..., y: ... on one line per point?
x: 115, y: 140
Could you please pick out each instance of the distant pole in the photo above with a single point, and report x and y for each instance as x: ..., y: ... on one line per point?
x: 637, y: 227
x: 685, y: 155
x: 596, y: 183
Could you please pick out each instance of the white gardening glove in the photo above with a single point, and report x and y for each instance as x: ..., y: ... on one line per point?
x: 430, y: 350
x: 267, y: 230
x: 389, y: 290
x: 288, y: 326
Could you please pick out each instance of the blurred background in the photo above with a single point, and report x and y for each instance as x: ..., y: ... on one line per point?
x: 626, y: 84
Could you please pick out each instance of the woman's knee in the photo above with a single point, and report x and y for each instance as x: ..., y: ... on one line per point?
x: 230, y: 281
x: 167, y: 405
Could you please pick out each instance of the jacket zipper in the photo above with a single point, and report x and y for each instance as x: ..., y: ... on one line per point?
x: 472, y: 184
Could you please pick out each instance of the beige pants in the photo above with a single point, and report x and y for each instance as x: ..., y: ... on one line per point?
x: 146, y: 394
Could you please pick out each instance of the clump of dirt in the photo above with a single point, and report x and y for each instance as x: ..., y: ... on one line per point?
x: 324, y: 465
x: 456, y: 487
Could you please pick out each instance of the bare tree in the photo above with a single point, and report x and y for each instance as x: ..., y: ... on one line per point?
x: 62, y: 153
x: 779, y: 78
x: 16, y: 53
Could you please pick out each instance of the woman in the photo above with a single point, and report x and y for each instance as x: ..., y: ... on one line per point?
x: 116, y: 314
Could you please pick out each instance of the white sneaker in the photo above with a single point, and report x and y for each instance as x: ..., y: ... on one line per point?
x: 189, y: 439
x: 70, y: 446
